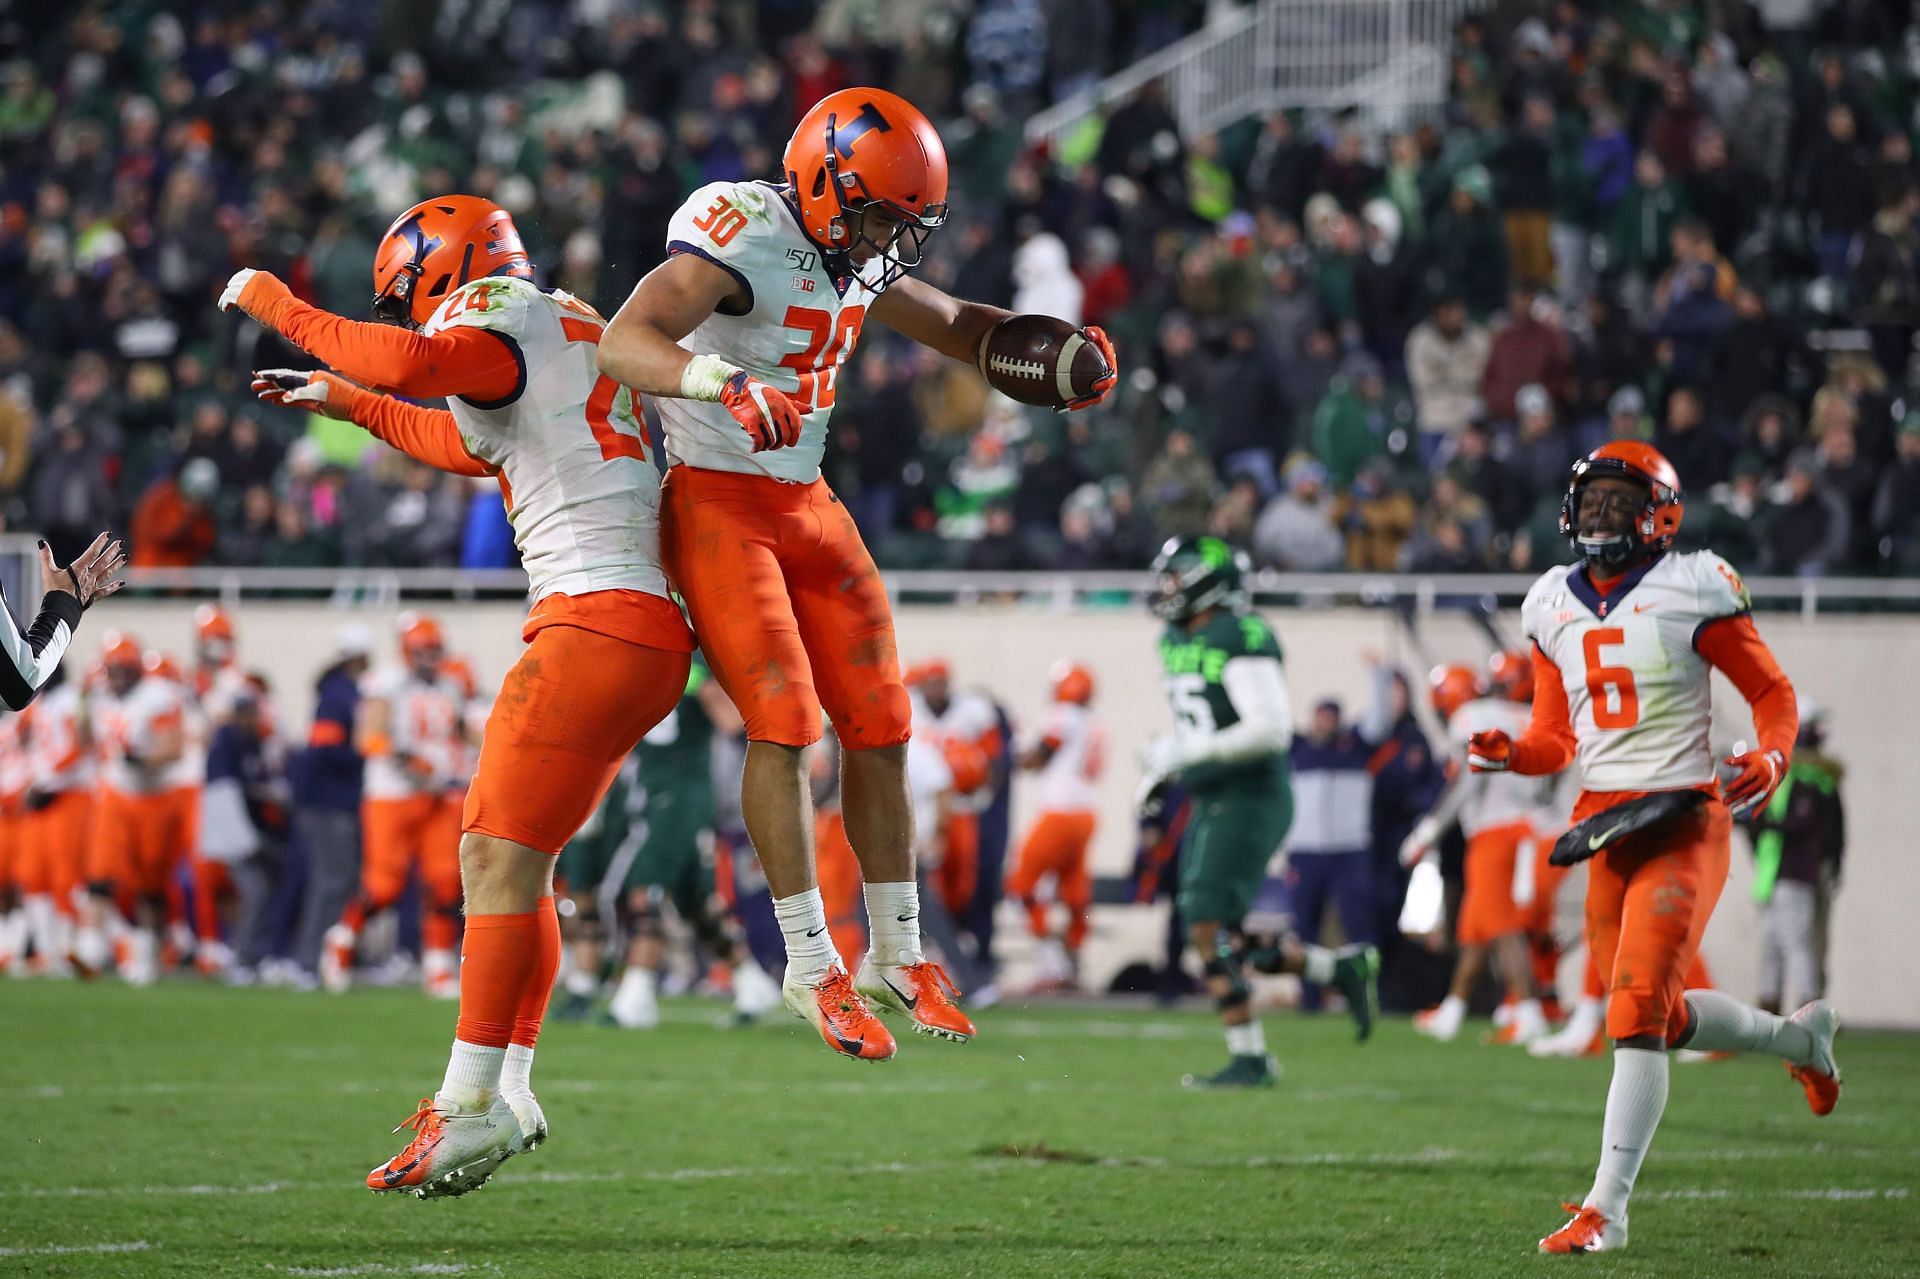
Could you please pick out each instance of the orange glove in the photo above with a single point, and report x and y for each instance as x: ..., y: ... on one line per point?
x: 1756, y: 774
x: 1489, y: 752
x: 763, y: 412
x: 316, y: 391
x: 1104, y: 387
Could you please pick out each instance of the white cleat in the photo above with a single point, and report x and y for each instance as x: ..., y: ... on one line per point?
x: 755, y: 994
x: 1434, y: 1025
x: 451, y: 1153
x: 1575, y: 1039
x: 636, y: 1000
x: 531, y: 1119
x: 336, y: 960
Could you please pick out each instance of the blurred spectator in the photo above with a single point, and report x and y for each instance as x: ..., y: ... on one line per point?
x: 1807, y: 534
x: 1640, y: 229
x: 1377, y: 518
x: 1849, y: 477
x: 1799, y: 845
x: 1522, y: 167
x: 1452, y: 533
x: 1771, y: 432
x: 1733, y: 515
x: 173, y: 523
x: 1352, y: 421
x: 244, y: 541
x: 1539, y: 451
x: 1756, y: 355
x: 1386, y: 285
x: 1298, y: 530
x: 1886, y: 280
x: 1252, y: 421
x: 1179, y: 487
x: 1896, y: 506
x: 70, y: 498
x: 1043, y: 280
x: 1696, y: 445
x: 1000, y: 548
x: 1475, y: 468
x: 1529, y: 347
x: 1446, y: 359
x: 1692, y: 304
x: 1726, y: 197
x: 1469, y: 245
x: 1835, y: 189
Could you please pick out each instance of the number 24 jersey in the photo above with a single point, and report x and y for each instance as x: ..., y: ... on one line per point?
x: 1639, y: 694
x: 800, y: 324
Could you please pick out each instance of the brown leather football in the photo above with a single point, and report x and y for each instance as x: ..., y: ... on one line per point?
x: 1037, y: 359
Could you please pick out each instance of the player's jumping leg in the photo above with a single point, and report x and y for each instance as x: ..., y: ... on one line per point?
x: 568, y: 713
x: 1249, y: 1065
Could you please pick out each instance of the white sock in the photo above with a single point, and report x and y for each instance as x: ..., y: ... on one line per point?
x: 516, y: 1071
x: 893, y: 918
x: 1528, y: 1018
x: 1318, y: 966
x: 803, y: 922
x: 1723, y: 1024
x: 473, y: 1077
x: 581, y: 982
x: 1451, y: 1012
x: 1635, y: 1100
x: 1248, y: 1040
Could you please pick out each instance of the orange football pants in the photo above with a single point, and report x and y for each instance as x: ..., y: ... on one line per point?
x: 599, y: 671
x: 1056, y: 846
x: 1648, y: 901
x: 140, y: 841
x: 787, y: 604
x: 1487, y: 908
x: 13, y: 829
x: 53, y: 848
x: 398, y: 834
x: 959, y: 870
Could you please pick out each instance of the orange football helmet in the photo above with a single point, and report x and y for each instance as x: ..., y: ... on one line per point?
x: 1659, y: 519
x: 418, y: 632
x: 866, y: 148
x: 117, y: 648
x: 159, y: 664
x: 437, y: 246
x: 1453, y: 687
x: 1511, y: 673
x: 212, y: 634
x: 1072, y: 682
x: 926, y: 672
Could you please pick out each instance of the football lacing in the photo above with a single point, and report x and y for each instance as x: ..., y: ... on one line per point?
x: 1016, y: 367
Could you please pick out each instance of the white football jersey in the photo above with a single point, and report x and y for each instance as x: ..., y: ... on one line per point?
x: 582, y: 490
x: 424, y: 721
x: 969, y: 718
x: 1492, y: 799
x: 801, y: 325
x: 16, y: 767
x: 1638, y: 692
x: 1069, y: 780
x: 928, y: 778
x: 129, y: 725
x: 55, y: 760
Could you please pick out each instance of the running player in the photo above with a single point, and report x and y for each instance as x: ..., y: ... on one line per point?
x: 59, y: 798
x: 1624, y: 644
x: 770, y: 285
x: 1496, y: 816
x: 1069, y: 754
x: 1233, y: 729
x: 963, y: 726
x: 607, y: 649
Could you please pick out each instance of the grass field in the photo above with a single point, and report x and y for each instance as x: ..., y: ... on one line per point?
x: 200, y: 1132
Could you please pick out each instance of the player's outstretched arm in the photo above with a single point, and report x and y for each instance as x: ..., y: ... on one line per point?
x: 641, y: 349
x: 463, y: 361
x: 1548, y: 744
x: 1733, y: 646
x: 956, y: 328
x: 431, y: 436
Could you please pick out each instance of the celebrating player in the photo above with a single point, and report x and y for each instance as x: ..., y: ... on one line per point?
x: 1623, y: 646
x: 1233, y: 728
x: 607, y: 649
x: 1068, y: 753
x: 770, y: 285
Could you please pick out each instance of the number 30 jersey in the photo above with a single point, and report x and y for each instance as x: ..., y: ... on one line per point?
x: 800, y: 325
x: 582, y: 492
x: 1638, y: 693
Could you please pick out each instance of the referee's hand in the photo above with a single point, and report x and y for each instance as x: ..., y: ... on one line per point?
x: 92, y: 576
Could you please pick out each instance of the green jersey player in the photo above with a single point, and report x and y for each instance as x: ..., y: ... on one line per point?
x: 651, y: 842
x: 1233, y: 728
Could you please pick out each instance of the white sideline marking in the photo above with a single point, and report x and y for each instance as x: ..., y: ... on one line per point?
x: 1832, y: 1193
x: 62, y: 1250
x: 382, y: 1268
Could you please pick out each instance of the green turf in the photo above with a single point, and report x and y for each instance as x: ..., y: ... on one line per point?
x: 227, y: 1132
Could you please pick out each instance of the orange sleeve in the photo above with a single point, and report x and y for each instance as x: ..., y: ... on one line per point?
x: 1548, y: 744
x: 1732, y: 645
x: 426, y: 435
x: 467, y: 362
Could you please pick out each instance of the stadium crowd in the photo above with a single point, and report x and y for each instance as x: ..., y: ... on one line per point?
x: 1693, y: 223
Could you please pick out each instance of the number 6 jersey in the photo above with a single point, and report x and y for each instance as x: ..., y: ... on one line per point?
x: 800, y: 325
x: 1638, y: 690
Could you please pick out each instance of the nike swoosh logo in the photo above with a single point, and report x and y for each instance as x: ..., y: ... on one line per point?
x: 1645, y: 608
x: 815, y: 932
x: 905, y: 919
x: 1595, y: 841
x: 910, y: 1003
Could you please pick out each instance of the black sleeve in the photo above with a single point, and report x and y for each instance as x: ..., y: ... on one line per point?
x: 32, y: 657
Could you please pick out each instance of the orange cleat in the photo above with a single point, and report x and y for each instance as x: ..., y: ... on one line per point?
x: 1820, y: 1076
x: 450, y: 1153
x: 842, y: 1017
x: 923, y: 991
x: 1589, y: 1231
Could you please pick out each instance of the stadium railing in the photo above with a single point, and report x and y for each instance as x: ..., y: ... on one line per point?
x: 1387, y: 58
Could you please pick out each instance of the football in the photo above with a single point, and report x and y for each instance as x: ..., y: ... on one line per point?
x: 1037, y: 359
